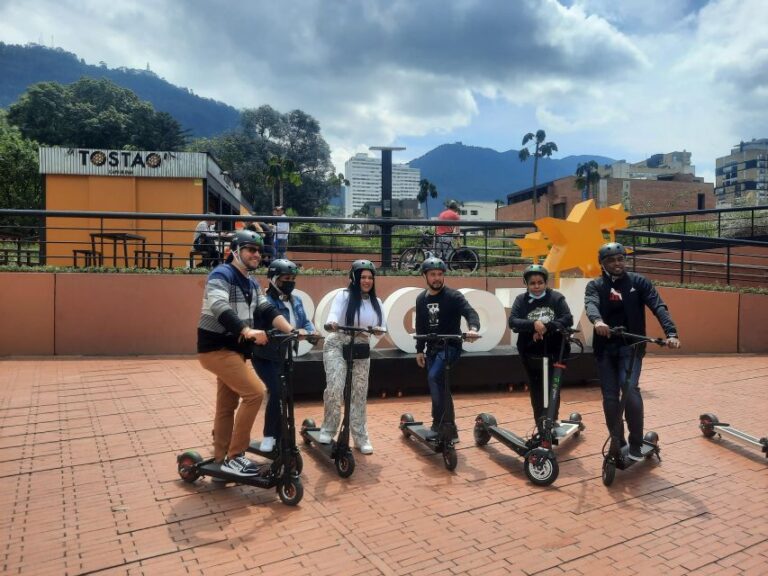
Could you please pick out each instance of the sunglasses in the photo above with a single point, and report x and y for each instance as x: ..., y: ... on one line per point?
x: 253, y: 249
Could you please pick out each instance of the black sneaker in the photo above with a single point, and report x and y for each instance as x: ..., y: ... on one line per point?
x: 635, y: 453
x: 240, y: 465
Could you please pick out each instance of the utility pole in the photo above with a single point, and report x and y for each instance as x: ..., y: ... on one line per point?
x: 386, y: 202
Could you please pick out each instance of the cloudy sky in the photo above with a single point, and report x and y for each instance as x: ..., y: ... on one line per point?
x: 619, y: 78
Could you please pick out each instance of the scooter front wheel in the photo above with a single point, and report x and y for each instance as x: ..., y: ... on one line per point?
x: 291, y: 491
x: 450, y: 459
x: 345, y: 465
x: 609, y: 472
x: 541, y: 469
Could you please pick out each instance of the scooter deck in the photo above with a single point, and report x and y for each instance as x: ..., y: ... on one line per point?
x: 509, y: 438
x: 566, y: 430
x: 423, y: 434
x: 255, y: 448
x: 263, y: 480
x: 738, y: 435
x: 624, y: 462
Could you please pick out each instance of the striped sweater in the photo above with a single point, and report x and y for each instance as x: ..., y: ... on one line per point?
x: 230, y: 303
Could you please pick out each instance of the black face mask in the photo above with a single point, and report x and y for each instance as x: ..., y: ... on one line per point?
x: 287, y: 287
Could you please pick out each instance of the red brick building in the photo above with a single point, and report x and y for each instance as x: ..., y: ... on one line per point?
x: 558, y: 197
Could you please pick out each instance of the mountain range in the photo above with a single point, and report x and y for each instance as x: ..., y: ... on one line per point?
x: 22, y: 66
x: 472, y: 173
x: 464, y: 173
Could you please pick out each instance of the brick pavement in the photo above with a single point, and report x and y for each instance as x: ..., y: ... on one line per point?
x: 88, y: 484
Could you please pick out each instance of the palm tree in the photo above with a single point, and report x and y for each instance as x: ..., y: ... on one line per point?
x: 427, y: 190
x: 587, y: 177
x: 279, y: 172
x: 541, y: 150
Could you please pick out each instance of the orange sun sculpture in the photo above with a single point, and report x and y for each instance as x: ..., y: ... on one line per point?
x: 575, y: 240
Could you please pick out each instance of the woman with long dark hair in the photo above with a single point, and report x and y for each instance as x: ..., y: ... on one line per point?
x: 358, y: 305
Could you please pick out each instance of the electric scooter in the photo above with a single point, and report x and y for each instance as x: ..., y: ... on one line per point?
x: 339, y: 450
x: 540, y: 463
x: 444, y: 439
x: 711, y: 426
x: 616, y: 456
x: 286, y: 400
x: 282, y: 472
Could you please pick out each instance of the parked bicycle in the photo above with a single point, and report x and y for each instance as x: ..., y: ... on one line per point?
x: 462, y: 258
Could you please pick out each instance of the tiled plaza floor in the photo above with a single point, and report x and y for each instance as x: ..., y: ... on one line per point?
x: 88, y: 484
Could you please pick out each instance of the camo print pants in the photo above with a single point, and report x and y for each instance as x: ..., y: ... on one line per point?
x: 335, y: 375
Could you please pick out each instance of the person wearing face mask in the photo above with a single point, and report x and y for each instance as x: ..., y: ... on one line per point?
x: 267, y: 362
x: 225, y: 337
x: 355, y: 306
x: 619, y: 298
x: 535, y: 316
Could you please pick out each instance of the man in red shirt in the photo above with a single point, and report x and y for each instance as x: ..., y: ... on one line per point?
x: 445, y: 233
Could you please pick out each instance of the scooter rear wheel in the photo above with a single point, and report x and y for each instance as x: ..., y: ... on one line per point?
x: 187, y: 466
x: 541, y: 469
x: 406, y: 418
x: 345, y: 465
x: 609, y: 472
x: 291, y: 491
x: 308, y: 423
x: 450, y: 459
x: 706, y: 424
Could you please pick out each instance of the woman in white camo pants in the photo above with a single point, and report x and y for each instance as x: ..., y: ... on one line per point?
x: 355, y: 306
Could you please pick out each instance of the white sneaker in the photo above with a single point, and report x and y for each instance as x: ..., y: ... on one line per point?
x: 365, y: 448
x: 267, y: 444
x: 324, y: 437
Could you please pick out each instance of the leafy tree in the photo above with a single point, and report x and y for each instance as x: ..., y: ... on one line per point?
x: 263, y: 134
x: 281, y: 171
x: 93, y: 114
x: 541, y: 149
x: 587, y: 177
x: 19, y: 178
x: 427, y: 190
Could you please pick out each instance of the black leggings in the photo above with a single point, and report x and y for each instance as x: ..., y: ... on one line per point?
x: 534, y: 369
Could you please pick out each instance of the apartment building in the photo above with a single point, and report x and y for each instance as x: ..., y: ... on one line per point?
x: 741, y: 178
x: 364, y: 175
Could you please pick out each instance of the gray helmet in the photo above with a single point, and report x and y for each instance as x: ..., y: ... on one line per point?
x: 535, y: 269
x: 281, y: 266
x: 360, y: 265
x: 610, y: 249
x: 245, y: 238
x: 453, y: 205
x: 433, y: 263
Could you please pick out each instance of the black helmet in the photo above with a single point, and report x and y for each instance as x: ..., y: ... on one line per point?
x: 453, y: 205
x: 610, y: 249
x: 535, y: 269
x: 280, y: 267
x: 433, y: 263
x: 245, y: 238
x: 360, y: 265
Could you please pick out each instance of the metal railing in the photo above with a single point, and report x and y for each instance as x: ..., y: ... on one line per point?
x: 744, y: 222
x: 126, y: 239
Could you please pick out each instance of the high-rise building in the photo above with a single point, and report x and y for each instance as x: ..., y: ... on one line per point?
x: 364, y: 175
x: 741, y: 179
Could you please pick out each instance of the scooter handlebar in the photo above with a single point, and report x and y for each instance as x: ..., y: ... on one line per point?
x: 455, y: 337
x: 638, y: 338
x: 279, y: 336
x: 375, y: 330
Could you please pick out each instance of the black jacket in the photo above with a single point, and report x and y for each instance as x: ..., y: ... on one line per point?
x: 550, y: 309
x: 441, y: 314
x: 636, y: 292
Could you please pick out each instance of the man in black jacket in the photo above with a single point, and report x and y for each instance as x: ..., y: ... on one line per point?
x: 618, y: 298
x: 439, y: 310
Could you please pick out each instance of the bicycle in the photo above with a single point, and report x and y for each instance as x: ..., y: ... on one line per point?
x: 461, y: 259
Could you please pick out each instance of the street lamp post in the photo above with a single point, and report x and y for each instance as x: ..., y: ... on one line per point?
x: 386, y: 202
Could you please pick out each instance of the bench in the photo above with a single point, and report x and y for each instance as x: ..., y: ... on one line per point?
x: 90, y: 258
x: 143, y: 258
x: 193, y: 254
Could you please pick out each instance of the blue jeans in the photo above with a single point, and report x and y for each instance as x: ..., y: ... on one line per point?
x: 436, y: 380
x: 281, y: 245
x: 269, y: 372
x: 612, y: 365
